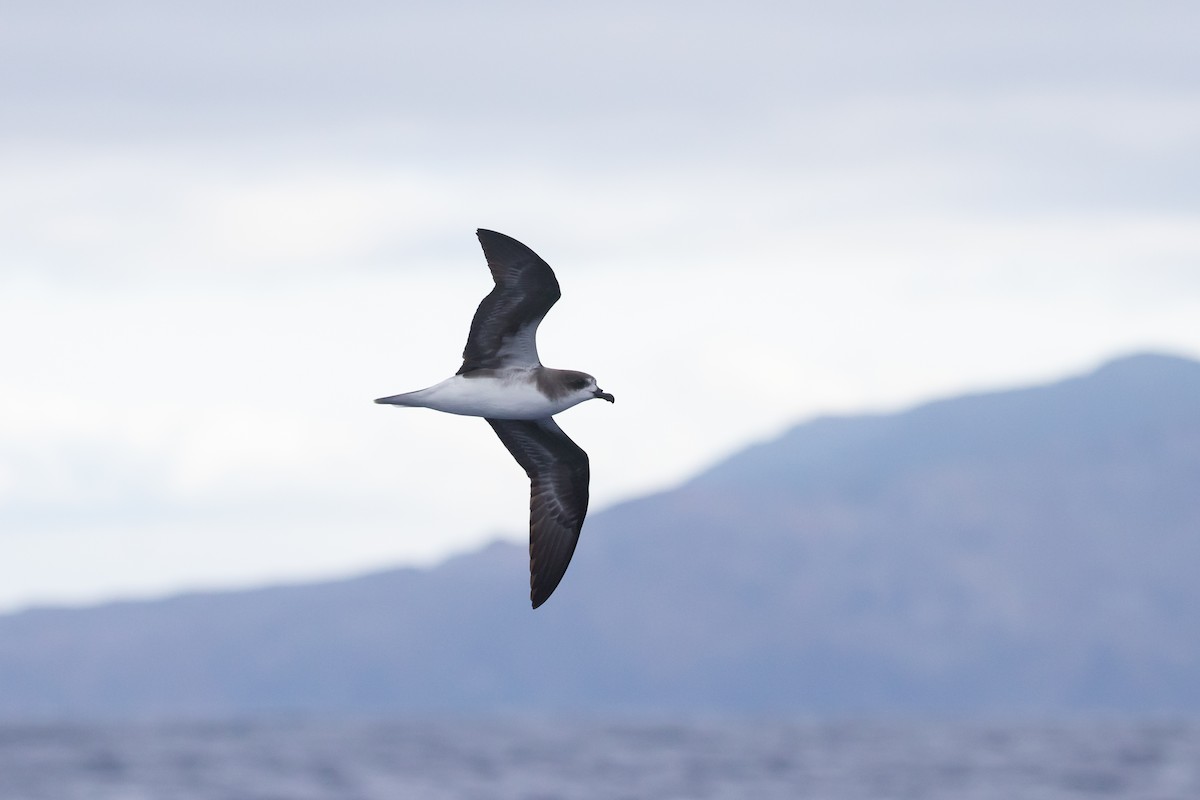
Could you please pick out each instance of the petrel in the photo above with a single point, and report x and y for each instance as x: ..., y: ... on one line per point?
x: 502, y: 380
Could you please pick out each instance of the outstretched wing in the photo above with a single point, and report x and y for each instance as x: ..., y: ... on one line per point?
x: 558, y: 476
x: 504, y: 330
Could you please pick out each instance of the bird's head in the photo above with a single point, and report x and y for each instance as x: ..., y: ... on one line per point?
x: 583, y: 386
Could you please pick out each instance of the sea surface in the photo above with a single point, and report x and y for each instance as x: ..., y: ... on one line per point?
x: 553, y: 759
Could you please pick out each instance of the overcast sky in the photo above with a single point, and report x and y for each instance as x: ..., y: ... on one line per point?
x: 226, y: 227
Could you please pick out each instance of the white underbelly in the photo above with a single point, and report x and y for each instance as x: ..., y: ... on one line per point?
x: 492, y: 397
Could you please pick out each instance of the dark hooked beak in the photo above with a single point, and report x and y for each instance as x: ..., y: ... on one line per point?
x: 604, y: 396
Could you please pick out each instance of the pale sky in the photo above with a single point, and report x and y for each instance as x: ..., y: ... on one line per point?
x: 225, y: 228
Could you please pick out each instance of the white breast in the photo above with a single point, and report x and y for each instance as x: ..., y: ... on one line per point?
x: 509, y: 397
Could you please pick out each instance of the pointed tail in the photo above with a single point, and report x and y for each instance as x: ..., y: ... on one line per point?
x: 406, y: 399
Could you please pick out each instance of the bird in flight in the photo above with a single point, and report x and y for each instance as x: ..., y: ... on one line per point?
x: 502, y: 380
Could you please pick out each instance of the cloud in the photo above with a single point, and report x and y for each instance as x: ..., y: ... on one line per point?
x: 225, y: 230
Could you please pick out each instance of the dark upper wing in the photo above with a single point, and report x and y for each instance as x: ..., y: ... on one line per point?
x: 504, y: 330
x: 558, y: 475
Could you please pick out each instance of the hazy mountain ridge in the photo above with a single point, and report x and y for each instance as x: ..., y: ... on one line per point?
x: 1016, y: 551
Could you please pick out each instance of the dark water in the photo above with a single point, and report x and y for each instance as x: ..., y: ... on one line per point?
x: 544, y: 759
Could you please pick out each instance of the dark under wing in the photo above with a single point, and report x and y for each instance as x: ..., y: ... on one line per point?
x: 558, y: 476
x: 504, y: 329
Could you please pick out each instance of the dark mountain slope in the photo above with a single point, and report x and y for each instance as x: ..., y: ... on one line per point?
x: 1026, y: 551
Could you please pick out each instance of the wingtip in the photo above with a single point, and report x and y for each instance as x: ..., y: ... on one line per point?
x: 498, y: 238
x: 492, y: 239
x: 538, y: 593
